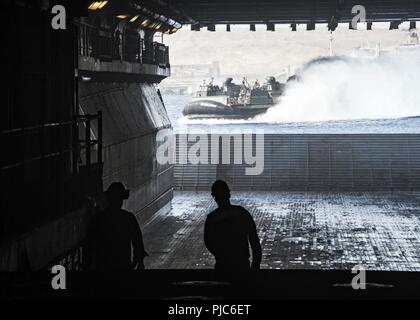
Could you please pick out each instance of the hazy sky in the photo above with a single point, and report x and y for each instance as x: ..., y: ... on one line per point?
x: 242, y: 52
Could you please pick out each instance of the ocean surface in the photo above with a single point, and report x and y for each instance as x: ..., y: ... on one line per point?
x: 175, y: 103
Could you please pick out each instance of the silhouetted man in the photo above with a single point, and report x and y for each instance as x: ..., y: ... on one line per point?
x: 116, y: 235
x: 228, y: 231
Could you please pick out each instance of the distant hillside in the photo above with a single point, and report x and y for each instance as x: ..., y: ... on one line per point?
x: 262, y: 53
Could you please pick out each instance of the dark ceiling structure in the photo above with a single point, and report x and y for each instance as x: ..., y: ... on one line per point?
x: 212, y: 12
x: 292, y: 11
x: 208, y: 13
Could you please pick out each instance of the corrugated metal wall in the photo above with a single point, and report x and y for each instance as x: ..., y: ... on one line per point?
x: 132, y: 116
x: 315, y: 162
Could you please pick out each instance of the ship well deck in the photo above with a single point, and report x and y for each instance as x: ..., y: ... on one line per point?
x: 298, y: 230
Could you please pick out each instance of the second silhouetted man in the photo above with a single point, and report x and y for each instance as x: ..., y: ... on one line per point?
x: 228, y: 232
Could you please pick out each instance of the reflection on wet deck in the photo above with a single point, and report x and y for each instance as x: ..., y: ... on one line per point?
x: 298, y: 230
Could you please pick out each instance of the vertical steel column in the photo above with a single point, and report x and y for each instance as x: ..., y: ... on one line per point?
x: 75, y: 126
x: 87, y: 142
x: 100, y: 137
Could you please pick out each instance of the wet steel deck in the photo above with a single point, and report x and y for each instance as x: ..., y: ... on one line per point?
x: 298, y: 230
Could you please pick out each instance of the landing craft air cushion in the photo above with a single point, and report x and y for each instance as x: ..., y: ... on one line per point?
x: 232, y: 101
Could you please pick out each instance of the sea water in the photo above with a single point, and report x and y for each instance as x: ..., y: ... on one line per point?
x: 175, y: 104
x: 346, y: 94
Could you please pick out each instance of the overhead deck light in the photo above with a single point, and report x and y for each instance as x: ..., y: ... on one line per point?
x: 145, y: 23
x: 164, y: 19
x: 152, y: 20
x: 157, y: 27
x: 97, y: 5
x: 122, y: 16
x: 134, y: 18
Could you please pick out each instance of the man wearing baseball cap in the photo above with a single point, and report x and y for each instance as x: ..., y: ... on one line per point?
x: 115, y: 233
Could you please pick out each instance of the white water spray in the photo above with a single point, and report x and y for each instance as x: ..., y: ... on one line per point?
x: 352, y: 88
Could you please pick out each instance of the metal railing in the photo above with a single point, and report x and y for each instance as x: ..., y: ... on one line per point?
x: 87, y: 143
x: 49, y: 169
x: 106, y: 45
x: 45, y: 131
x: 42, y: 131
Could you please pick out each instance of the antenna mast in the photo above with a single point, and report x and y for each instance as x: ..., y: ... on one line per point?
x: 331, y: 44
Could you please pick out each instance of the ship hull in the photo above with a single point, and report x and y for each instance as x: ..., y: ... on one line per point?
x: 208, y: 109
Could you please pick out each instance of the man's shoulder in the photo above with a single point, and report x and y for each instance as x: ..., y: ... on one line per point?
x: 241, y: 210
x: 233, y: 208
x: 127, y: 215
x: 213, y: 213
x: 243, y: 214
